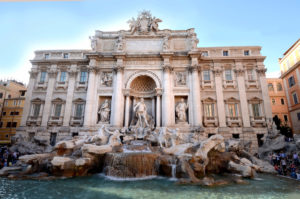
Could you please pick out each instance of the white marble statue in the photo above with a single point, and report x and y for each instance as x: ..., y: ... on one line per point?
x: 140, y: 110
x: 181, y: 111
x: 106, y: 79
x: 173, y: 136
x: 162, y: 137
x: 104, y: 112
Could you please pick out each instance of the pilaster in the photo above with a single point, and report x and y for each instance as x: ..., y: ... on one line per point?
x: 219, y: 93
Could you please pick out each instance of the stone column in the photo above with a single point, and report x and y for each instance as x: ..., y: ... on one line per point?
x: 195, y: 94
x: 158, y: 108
x: 242, y: 93
x: 127, y: 106
x: 69, y: 101
x: 265, y: 94
x: 90, y: 94
x: 220, y: 98
x: 166, y: 107
x: 117, y: 108
x: 28, y: 96
x: 51, y: 83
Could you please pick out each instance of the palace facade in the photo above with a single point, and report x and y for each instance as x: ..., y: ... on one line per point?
x: 199, y: 90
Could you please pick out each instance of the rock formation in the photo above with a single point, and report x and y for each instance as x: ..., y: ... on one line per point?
x: 118, y: 154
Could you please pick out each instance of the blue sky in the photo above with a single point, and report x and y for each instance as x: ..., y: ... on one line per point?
x: 29, y: 26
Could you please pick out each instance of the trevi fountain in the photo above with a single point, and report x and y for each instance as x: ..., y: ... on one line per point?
x: 179, y: 146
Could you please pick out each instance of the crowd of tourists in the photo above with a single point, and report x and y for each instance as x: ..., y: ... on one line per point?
x: 286, y: 164
x: 7, y: 158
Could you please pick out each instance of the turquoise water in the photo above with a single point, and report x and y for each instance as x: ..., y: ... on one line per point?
x: 98, y: 187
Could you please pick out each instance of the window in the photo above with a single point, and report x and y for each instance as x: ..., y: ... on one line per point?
x: 23, y: 93
x: 295, y: 97
x: 282, y: 101
x: 78, y: 110
x: 43, y: 77
x: 46, y: 56
x: 36, y: 110
x: 204, y: 53
x: 291, y: 81
x: 63, y: 76
x: 209, y: 110
x: 233, y: 110
x: 6, y: 103
x: 9, y: 96
x: 1, y: 95
x: 12, y: 113
x: 15, y: 102
x: 246, y: 52
x: 285, y: 118
x: 228, y: 75
x: 255, y: 109
x: 14, y: 124
x: 279, y: 87
x: 298, y: 116
x: 225, y: 53
x: 273, y: 101
x: 8, y: 124
x: 206, y: 75
x: 16, y: 113
x: 250, y: 75
x: 270, y: 87
x: 57, y: 110
x: 4, y: 113
x: 83, y: 76
x: 66, y: 55
x: 1, y: 124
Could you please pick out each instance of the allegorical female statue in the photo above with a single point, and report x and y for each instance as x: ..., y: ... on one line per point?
x: 181, y: 111
x: 104, y: 112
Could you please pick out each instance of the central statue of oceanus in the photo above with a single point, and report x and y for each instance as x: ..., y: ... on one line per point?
x: 141, y: 118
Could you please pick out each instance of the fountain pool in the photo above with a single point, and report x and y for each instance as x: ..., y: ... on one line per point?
x: 97, y: 186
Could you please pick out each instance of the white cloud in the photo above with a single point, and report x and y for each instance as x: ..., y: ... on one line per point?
x: 273, y: 74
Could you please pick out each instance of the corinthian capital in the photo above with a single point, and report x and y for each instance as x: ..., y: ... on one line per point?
x: 218, y: 71
x: 193, y: 68
x: 118, y: 68
x: 239, y: 72
x: 167, y: 68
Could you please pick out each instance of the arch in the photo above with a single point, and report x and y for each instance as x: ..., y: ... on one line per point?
x: 143, y: 73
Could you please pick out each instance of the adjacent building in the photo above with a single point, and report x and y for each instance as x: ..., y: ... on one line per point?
x: 290, y: 74
x: 12, y: 97
x: 199, y: 90
x: 278, y: 100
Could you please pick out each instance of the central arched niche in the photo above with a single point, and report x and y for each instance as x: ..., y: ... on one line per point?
x: 143, y: 86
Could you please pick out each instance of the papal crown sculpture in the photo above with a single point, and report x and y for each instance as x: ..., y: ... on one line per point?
x: 145, y: 77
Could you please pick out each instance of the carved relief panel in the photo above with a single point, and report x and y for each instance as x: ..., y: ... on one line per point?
x: 180, y: 78
x: 106, y: 79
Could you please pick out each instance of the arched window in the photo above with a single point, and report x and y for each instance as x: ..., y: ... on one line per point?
x: 270, y: 86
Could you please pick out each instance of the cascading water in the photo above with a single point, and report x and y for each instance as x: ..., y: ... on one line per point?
x: 136, y: 161
x: 173, y: 167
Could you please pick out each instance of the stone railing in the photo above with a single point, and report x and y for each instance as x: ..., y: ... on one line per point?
x: 54, y: 120
x: 207, y: 84
x: 233, y: 121
x: 61, y: 85
x: 81, y: 85
x: 258, y: 121
x: 229, y: 83
x: 76, y: 121
x: 252, y: 84
x: 41, y: 85
x: 210, y: 121
x: 34, y: 120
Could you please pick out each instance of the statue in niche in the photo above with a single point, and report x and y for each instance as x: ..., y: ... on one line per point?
x: 104, y: 112
x: 119, y: 43
x: 166, y: 43
x: 106, y: 79
x: 140, y: 110
x: 194, y: 42
x: 181, y: 111
x: 93, y: 43
x: 181, y: 78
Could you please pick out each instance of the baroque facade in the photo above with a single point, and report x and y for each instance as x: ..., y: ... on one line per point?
x: 290, y: 75
x: 148, y: 77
